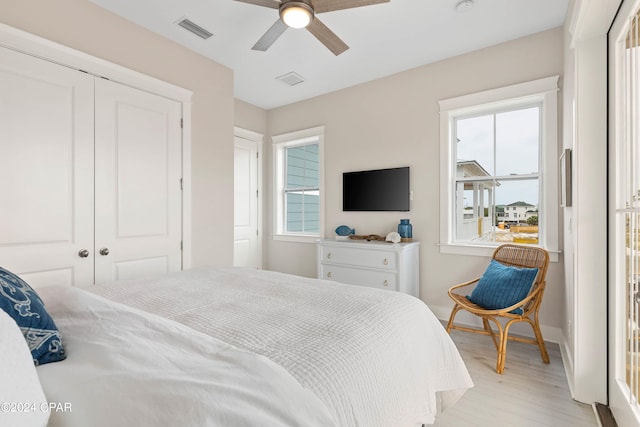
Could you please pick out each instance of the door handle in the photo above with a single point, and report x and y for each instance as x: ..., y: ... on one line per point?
x: 104, y: 251
x: 83, y: 253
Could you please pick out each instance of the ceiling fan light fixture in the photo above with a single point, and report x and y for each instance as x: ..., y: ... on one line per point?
x: 464, y: 5
x: 296, y: 14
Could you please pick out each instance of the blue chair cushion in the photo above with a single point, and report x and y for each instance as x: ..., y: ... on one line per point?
x: 24, y: 305
x: 502, y: 286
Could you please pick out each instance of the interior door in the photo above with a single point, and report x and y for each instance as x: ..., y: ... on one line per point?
x: 245, y: 184
x: 46, y: 178
x: 624, y: 229
x: 138, y: 202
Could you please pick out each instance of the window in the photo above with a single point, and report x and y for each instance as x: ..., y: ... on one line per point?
x: 298, y: 181
x: 499, y: 169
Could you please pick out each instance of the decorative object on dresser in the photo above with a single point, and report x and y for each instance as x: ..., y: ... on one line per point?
x: 345, y: 231
x: 376, y: 264
x: 405, y: 229
x: 367, y: 237
x: 393, y: 237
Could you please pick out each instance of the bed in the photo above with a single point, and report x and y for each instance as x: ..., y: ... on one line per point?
x: 243, y: 347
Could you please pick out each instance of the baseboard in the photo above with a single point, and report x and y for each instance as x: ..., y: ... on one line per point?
x: 549, y: 333
x: 567, y: 363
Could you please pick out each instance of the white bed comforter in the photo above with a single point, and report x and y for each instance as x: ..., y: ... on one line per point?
x: 128, y: 368
x: 374, y: 357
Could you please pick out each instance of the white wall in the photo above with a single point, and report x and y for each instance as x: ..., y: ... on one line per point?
x: 250, y: 117
x: 394, y: 121
x: 86, y: 27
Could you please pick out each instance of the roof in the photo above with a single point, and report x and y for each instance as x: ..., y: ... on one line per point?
x: 525, y: 204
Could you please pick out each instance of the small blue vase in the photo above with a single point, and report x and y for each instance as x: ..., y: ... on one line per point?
x: 405, y: 230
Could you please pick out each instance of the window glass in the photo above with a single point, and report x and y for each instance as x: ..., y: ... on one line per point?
x: 302, y: 192
x: 298, y: 181
x: 497, y: 176
x: 518, y: 141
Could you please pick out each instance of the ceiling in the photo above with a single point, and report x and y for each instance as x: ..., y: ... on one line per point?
x: 384, y: 39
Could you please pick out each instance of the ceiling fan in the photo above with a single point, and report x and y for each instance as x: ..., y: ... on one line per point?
x: 302, y: 14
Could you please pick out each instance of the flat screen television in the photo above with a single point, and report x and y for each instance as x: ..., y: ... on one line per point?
x: 376, y: 190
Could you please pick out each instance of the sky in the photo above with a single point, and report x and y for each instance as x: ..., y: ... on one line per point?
x: 514, y: 150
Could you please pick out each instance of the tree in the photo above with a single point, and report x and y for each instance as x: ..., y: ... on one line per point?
x: 532, y: 220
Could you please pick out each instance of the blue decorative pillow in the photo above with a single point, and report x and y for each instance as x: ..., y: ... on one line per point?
x: 24, y: 305
x: 502, y: 286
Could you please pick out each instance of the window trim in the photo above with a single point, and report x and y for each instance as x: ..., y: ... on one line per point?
x: 280, y: 143
x: 543, y: 91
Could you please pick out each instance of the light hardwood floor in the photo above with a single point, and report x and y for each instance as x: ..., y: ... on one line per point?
x: 528, y: 394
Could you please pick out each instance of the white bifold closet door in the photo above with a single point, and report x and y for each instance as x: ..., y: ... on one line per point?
x: 138, y: 201
x: 72, y: 185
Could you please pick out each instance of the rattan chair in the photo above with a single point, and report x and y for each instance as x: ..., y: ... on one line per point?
x: 510, y: 255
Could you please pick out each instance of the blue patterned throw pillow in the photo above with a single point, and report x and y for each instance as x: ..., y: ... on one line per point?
x: 502, y: 286
x: 24, y: 305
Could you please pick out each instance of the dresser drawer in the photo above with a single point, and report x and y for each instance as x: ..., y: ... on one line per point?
x: 354, y: 276
x: 360, y: 257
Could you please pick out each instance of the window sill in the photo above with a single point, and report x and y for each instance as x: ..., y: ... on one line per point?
x: 480, y: 250
x: 296, y: 238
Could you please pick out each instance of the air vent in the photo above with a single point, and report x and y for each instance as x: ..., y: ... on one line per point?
x: 291, y: 78
x: 196, y: 29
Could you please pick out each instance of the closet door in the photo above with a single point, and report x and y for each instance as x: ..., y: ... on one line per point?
x: 46, y: 177
x: 138, y: 200
x: 245, y: 184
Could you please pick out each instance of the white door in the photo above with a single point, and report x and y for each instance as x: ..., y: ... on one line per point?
x: 138, y: 202
x: 245, y: 184
x: 46, y: 177
x: 624, y: 229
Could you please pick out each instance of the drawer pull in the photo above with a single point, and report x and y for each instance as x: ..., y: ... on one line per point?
x: 329, y: 275
x: 386, y: 283
x: 385, y: 262
x: 329, y: 255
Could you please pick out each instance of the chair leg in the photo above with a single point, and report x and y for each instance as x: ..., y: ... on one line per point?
x: 454, y: 311
x: 487, y: 327
x: 538, y: 333
x: 502, y: 346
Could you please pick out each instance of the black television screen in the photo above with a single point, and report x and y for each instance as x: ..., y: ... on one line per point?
x: 376, y: 190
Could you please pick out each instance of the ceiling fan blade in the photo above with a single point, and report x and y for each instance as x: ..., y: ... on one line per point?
x: 270, y: 36
x: 272, y: 4
x: 327, y: 37
x: 321, y: 6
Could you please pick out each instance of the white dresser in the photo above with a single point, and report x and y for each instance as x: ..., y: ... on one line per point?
x: 383, y: 265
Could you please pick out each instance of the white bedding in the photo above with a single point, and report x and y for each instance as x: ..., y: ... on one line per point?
x: 128, y: 368
x: 373, y: 357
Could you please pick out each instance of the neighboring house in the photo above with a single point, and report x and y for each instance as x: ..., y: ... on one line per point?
x: 517, y: 212
x: 475, y: 201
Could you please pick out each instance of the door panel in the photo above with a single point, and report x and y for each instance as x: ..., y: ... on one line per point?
x: 138, y: 196
x: 139, y: 268
x: 142, y: 188
x: 46, y: 134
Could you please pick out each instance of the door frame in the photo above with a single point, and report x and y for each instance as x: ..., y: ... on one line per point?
x: 258, y: 138
x: 22, y: 41
x: 625, y: 412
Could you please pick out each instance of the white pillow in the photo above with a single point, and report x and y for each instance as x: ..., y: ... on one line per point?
x: 22, y: 401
